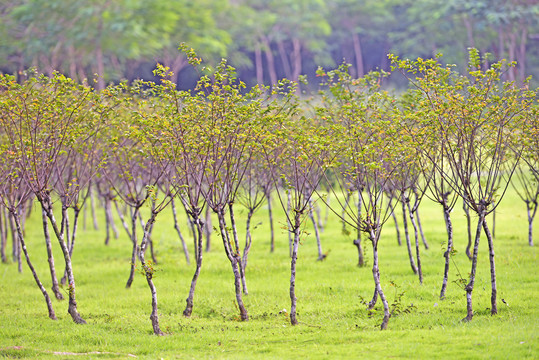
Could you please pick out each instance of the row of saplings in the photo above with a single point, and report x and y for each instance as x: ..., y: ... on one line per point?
x: 357, y: 149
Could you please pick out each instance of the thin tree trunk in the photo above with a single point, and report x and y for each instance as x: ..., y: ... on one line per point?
x: 531, y: 216
x: 72, y: 307
x: 50, y: 257
x: 397, y: 228
x: 48, y: 301
x: 134, y: 249
x: 258, y: 65
x: 376, y: 276
x: 447, y: 254
x: 494, y: 306
x: 246, y: 249
x: 109, y: 220
x: 177, y: 228
x: 423, y: 239
x: 289, y: 225
x: 470, y: 285
x: 293, y: 299
x: 357, y: 242
x: 16, y: 249
x: 284, y: 60
x: 106, y: 203
x: 343, y: 212
x: 319, y: 218
x: 359, y: 55
x: 234, y: 258
x: 237, y: 246
x: 407, y: 236
x: 3, y: 235
x: 271, y: 61
x: 198, y: 258
x: 296, y: 53
x: 92, y: 203
x: 150, y: 241
x: 148, y: 272
x: 374, y: 299
x: 468, y: 227
x: 416, y: 238
x: 207, y: 229
x: 71, y: 244
x: 122, y: 219
x: 321, y: 255
x: 270, y: 214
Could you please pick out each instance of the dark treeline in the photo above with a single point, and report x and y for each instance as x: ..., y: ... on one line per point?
x: 266, y: 40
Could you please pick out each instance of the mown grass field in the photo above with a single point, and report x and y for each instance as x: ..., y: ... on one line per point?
x: 334, y: 322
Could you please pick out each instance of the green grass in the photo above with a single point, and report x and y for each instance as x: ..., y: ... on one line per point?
x: 333, y: 321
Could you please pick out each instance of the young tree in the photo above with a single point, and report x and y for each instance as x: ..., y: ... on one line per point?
x: 48, y: 116
x: 375, y: 149
x: 478, y: 119
x: 297, y: 151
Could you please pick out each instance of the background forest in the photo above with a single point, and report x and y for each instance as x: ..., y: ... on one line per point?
x: 265, y: 40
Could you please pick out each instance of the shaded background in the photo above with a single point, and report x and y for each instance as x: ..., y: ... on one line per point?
x: 264, y: 39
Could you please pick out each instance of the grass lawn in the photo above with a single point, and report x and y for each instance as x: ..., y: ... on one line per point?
x: 334, y: 322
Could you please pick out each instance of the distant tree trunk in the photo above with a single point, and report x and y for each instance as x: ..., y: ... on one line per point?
x: 297, y: 58
x: 396, y: 227
x: 271, y: 61
x: 16, y: 246
x: 270, y: 214
x: 55, y: 286
x: 109, y: 219
x: 359, y: 55
x: 284, y: 60
x: 423, y: 239
x: 3, y: 235
x: 321, y: 255
x: 258, y: 65
x: 208, y: 229
x: 407, y: 235
x: 343, y: 212
x: 14, y: 212
x: 416, y: 238
x: 494, y: 291
x: 521, y: 55
x: 122, y: 219
x: 177, y: 228
x: 447, y: 254
x: 92, y: 205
